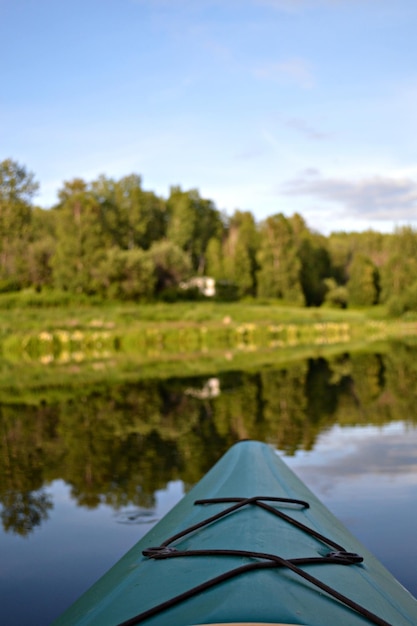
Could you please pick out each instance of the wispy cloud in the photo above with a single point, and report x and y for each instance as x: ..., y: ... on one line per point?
x: 306, y: 129
x: 377, y: 197
x: 295, y: 70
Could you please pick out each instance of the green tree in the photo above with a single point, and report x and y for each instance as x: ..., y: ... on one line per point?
x: 363, y: 287
x: 315, y: 267
x: 17, y: 188
x: 192, y: 222
x: 280, y: 266
x: 239, y: 253
x: 214, y: 259
x: 315, y: 261
x: 336, y: 295
x: 135, y: 218
x: 82, y: 238
x: 41, y: 247
x: 343, y: 247
x: 172, y: 265
x: 340, y: 246
x: 40, y: 254
x: 126, y: 275
x: 399, y: 273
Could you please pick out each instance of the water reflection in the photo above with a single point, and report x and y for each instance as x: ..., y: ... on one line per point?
x: 22, y: 512
x: 136, y: 516
x: 97, y: 466
x: 118, y: 444
x: 367, y: 475
x: 355, y: 453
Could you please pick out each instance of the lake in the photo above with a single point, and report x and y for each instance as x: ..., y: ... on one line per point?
x: 85, y: 471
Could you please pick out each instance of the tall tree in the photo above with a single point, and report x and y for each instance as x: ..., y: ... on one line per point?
x: 41, y: 248
x: 82, y: 238
x: 214, y: 259
x: 400, y: 271
x: 239, y: 252
x: 136, y: 218
x: 341, y: 246
x: 315, y: 261
x: 280, y: 266
x: 398, y: 275
x: 17, y: 188
x: 192, y: 222
x: 363, y: 284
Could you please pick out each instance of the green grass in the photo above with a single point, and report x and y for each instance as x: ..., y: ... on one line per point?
x: 85, y: 341
x: 23, y: 311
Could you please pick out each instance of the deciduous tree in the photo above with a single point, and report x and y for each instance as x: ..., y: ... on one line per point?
x: 82, y: 238
x: 363, y: 285
x: 280, y: 266
x: 192, y: 222
x: 17, y: 188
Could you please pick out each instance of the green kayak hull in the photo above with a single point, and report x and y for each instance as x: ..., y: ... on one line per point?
x: 247, y: 565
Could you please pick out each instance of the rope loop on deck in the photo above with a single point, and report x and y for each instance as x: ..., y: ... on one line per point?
x: 256, y: 560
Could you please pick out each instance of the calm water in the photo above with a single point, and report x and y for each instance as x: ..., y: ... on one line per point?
x: 83, y: 478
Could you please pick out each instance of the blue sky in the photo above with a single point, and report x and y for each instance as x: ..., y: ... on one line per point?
x: 270, y: 106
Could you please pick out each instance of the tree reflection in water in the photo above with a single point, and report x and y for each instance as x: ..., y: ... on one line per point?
x: 23, y: 512
x: 118, y: 444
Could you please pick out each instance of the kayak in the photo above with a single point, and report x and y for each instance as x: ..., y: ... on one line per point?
x: 249, y: 544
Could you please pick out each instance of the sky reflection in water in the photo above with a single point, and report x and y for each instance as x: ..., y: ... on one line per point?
x: 366, y: 475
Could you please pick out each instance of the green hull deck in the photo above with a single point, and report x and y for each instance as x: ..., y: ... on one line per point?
x: 248, y: 565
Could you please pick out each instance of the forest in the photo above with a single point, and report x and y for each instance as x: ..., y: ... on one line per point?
x: 114, y: 240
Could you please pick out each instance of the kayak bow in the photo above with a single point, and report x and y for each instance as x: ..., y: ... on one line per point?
x: 250, y: 544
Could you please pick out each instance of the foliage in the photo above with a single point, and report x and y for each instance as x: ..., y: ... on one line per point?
x: 363, y: 283
x: 17, y: 188
x: 405, y: 302
x: 125, y: 275
x: 336, y: 295
x: 240, y: 248
x: 315, y: 261
x: 400, y: 271
x: 134, y: 217
x: 172, y: 264
x: 82, y: 239
x: 279, y: 273
x: 101, y: 232
x: 192, y: 222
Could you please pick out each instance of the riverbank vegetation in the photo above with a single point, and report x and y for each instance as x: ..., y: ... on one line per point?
x: 110, y: 239
x: 46, y: 350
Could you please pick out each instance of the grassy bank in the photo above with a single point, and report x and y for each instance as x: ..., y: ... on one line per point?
x: 87, y: 328
x: 29, y: 310
x: 54, y: 342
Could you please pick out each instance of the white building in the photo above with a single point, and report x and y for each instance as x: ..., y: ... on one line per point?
x: 205, y: 284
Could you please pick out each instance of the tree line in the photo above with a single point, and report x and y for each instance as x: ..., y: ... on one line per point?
x: 113, y: 239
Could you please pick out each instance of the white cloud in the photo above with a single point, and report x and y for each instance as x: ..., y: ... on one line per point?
x: 376, y: 197
x: 360, y: 453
